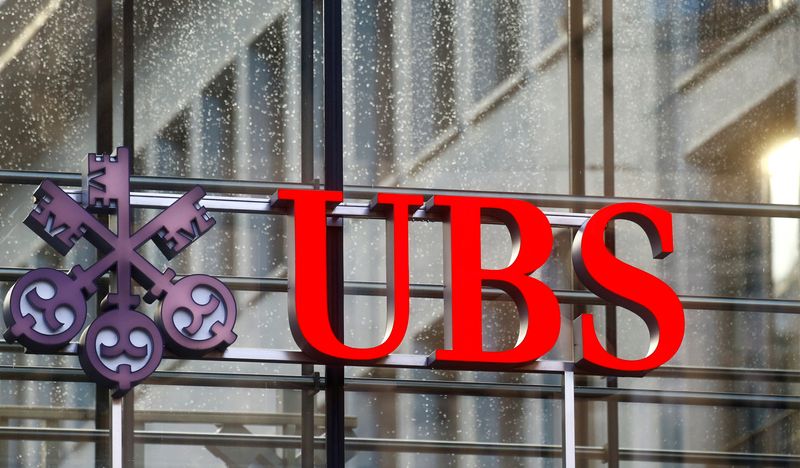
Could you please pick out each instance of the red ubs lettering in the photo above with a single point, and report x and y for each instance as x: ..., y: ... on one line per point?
x: 596, y: 267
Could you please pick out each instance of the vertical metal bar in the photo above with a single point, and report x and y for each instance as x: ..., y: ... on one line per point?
x: 608, y: 99
x: 116, y: 434
x: 102, y: 418
x: 612, y: 404
x: 104, y: 141
x: 577, y: 186
x: 104, y: 64
x: 127, y: 73
x: 307, y: 9
x: 307, y: 425
x: 122, y: 444
x: 577, y: 156
x: 332, y: 30
x: 122, y: 431
x: 334, y: 180
x: 121, y: 438
x: 307, y: 91
x: 568, y: 420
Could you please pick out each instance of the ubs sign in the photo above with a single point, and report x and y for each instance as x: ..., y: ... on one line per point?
x: 46, y: 308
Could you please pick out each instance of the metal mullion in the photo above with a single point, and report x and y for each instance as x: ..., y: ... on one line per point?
x: 104, y: 141
x: 307, y: 8
x: 607, y: 30
x: 577, y: 146
x: 307, y: 11
x: 128, y: 42
x: 122, y: 409
x: 334, y: 180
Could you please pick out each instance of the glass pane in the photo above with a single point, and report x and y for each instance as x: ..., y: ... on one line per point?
x: 430, y: 429
x: 681, y: 428
x: 225, y: 427
x: 47, y: 84
x: 704, y: 95
x: 231, y: 111
x: 46, y: 421
x: 458, y: 95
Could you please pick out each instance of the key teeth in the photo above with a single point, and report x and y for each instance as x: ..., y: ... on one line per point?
x: 105, y: 181
x: 57, y: 242
x: 172, y: 240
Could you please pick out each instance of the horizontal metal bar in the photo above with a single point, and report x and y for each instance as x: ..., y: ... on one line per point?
x: 160, y: 377
x: 355, y: 210
x: 709, y: 458
x: 240, y: 380
x: 297, y: 382
x: 176, y: 184
x: 483, y: 389
x: 727, y: 373
x: 453, y: 447
x: 396, y: 445
x: 586, y: 202
x: 57, y: 413
x: 221, y: 439
x: 445, y: 387
x: 541, y: 391
x: 285, y: 356
x: 40, y: 374
x: 681, y: 397
x: 433, y: 291
x: 553, y: 451
x: 52, y: 434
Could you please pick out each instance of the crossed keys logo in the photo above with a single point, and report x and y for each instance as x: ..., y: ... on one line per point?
x: 46, y: 308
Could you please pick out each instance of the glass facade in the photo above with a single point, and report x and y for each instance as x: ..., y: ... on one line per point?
x: 691, y: 106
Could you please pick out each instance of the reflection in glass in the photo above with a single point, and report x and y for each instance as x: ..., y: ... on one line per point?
x: 233, y: 105
x: 455, y: 94
x: 783, y: 168
x: 702, y: 90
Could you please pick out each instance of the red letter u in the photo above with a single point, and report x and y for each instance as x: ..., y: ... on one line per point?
x: 308, y: 279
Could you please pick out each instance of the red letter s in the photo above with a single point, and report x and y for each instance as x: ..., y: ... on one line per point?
x: 619, y: 283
